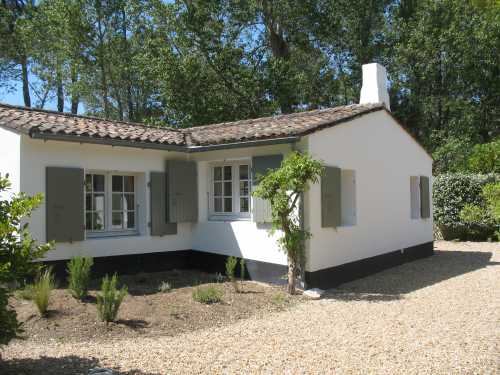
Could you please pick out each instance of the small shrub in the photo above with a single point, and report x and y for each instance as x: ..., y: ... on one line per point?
x: 41, y: 291
x: 110, y: 298
x: 219, y: 278
x: 242, y: 269
x: 165, y: 287
x: 79, y: 276
x: 208, y: 295
x: 231, y: 263
x: 26, y: 292
x: 279, y: 299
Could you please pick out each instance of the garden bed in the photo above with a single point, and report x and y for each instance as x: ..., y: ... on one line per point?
x: 146, y: 311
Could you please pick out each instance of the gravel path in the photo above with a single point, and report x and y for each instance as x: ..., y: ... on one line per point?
x: 439, y: 315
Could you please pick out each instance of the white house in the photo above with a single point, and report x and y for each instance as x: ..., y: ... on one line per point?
x: 141, y: 197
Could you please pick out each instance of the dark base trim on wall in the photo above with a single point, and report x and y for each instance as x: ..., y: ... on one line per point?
x: 334, y: 276
x: 259, y: 271
x: 168, y: 260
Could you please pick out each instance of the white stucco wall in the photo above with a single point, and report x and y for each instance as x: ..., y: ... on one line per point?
x: 10, y: 154
x: 37, y: 154
x: 383, y: 157
x: 242, y: 238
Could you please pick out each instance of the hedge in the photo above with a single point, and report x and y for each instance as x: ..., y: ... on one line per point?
x: 450, y: 193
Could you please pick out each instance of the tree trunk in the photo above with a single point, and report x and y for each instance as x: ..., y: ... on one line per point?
x: 75, y: 98
x: 292, y: 275
x: 25, y: 78
x: 60, y: 94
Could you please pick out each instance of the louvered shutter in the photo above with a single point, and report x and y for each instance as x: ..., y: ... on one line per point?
x: 182, y: 191
x: 425, y: 204
x: 64, y: 204
x: 331, y: 214
x: 260, y: 166
x: 158, y: 204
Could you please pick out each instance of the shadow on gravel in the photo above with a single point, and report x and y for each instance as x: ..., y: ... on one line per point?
x: 57, y: 366
x: 392, y: 284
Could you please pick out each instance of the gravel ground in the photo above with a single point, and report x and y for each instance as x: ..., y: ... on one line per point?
x: 439, y: 315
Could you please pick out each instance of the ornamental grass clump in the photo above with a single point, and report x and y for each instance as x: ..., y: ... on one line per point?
x: 208, y: 295
x: 42, y: 289
x: 110, y: 299
x: 79, y: 276
x: 231, y: 264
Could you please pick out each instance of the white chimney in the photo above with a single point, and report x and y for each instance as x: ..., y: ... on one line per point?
x: 374, y: 89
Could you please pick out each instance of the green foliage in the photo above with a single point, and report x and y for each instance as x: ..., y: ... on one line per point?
x: 454, y: 192
x: 165, y: 287
x: 283, y: 187
x: 208, y: 295
x: 242, y: 269
x: 18, y: 252
x: 231, y: 263
x: 42, y: 288
x: 452, y: 155
x: 79, y: 276
x: 110, y: 298
x: 485, y: 158
x: 279, y: 299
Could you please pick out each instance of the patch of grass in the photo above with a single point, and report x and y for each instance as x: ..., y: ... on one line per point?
x: 279, y: 299
x: 208, y: 295
x: 110, y: 298
x: 165, y: 287
x: 79, y: 276
x: 41, y: 291
x: 25, y: 293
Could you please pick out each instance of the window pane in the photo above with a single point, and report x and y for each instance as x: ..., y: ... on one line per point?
x: 117, y: 220
x: 228, y: 191
x: 99, y: 182
x: 117, y: 183
x: 243, y: 172
x: 88, y: 182
x: 129, y: 183
x: 130, y: 220
x: 128, y: 202
x: 227, y: 172
x: 217, y: 173
x: 243, y: 188
x: 217, y: 189
x: 98, y: 202
x: 218, y: 204
x: 88, y: 221
x: 243, y: 204
x: 88, y: 202
x: 228, y: 205
x: 98, y: 218
x: 117, y: 202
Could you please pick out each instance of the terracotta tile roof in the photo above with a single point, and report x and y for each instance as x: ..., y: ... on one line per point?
x: 296, y: 124
x: 56, y: 124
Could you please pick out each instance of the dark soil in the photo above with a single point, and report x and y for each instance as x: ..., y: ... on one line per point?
x: 146, y: 311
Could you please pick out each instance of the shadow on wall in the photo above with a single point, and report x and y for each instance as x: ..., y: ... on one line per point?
x: 394, y: 283
x: 57, y: 366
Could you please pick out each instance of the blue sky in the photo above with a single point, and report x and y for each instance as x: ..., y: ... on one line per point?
x: 15, y: 96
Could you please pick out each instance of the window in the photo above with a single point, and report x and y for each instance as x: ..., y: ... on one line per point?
x: 348, y: 197
x: 230, y: 195
x: 109, y: 202
x: 415, y: 197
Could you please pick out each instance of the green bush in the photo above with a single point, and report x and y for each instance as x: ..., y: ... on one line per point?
x: 454, y: 192
x: 110, y: 298
x: 208, y: 295
x: 26, y: 292
x: 165, y: 287
x: 41, y: 291
x: 231, y: 264
x: 79, y: 276
x: 485, y: 158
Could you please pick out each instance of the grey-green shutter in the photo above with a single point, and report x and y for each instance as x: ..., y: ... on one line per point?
x: 331, y: 214
x: 182, y: 191
x: 425, y: 204
x: 260, y: 166
x: 158, y: 199
x: 64, y: 204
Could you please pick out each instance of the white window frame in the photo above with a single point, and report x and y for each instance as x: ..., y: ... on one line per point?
x: 108, y: 209
x: 235, y: 214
